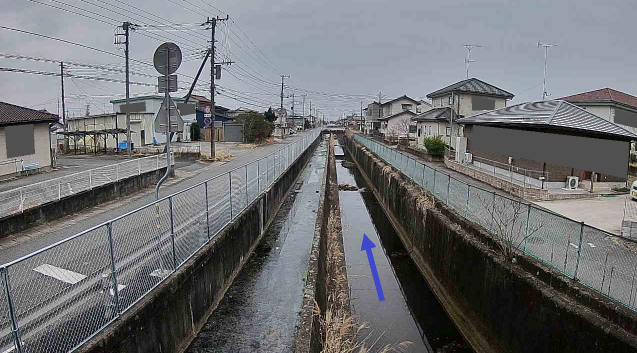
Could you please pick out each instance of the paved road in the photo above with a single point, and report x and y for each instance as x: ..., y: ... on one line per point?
x: 73, y: 283
x: 23, y: 243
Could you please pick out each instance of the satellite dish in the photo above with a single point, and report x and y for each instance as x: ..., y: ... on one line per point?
x: 167, y: 66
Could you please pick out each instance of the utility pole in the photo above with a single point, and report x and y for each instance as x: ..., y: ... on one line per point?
x: 213, y: 68
x: 468, y: 60
x: 66, y: 140
x: 311, y: 115
x: 293, y: 105
x: 125, y: 27
x: 546, y: 53
x: 361, y: 123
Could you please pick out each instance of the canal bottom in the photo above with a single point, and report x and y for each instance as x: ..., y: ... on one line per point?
x: 260, y: 310
x: 410, y: 311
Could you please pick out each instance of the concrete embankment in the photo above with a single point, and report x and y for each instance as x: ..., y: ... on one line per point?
x: 498, y: 306
x: 326, y: 321
x: 169, y: 317
x: 77, y: 202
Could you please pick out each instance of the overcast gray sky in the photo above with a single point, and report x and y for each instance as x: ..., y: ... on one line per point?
x: 338, y: 53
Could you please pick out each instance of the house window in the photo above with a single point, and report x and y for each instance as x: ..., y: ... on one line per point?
x: 412, y: 129
x: 406, y: 106
x: 419, y: 130
x: 448, y: 131
x: 451, y: 99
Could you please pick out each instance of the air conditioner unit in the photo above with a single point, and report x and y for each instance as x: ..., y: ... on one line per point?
x: 468, y: 158
x: 572, y: 182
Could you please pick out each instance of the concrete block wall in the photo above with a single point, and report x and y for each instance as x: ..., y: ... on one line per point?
x: 170, y: 316
x: 499, y: 306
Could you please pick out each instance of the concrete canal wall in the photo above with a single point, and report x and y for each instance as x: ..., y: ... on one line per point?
x: 169, y: 317
x: 497, y: 305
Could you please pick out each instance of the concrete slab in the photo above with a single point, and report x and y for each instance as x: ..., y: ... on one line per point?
x: 604, y: 212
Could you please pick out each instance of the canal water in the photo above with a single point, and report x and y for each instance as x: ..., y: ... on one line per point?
x: 260, y: 310
x: 410, y: 313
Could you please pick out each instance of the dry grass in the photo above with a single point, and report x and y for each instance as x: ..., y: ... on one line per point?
x: 221, y: 156
x: 246, y: 146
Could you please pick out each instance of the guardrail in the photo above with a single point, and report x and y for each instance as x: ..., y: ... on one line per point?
x: 23, y: 198
x: 57, y: 298
x: 589, y: 255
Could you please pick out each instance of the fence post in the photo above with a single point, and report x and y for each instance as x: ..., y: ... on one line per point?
x: 526, y: 231
x: 466, y: 213
x: 139, y: 166
x: 247, y: 198
x: 157, y: 161
x: 117, y: 172
x: 259, y: 175
x: 230, y: 194
x: 172, y: 232
x: 207, y: 210
x: 433, y: 191
x: 448, y: 185
x: 14, y: 320
x: 579, y: 250
x: 109, y: 228
x: 59, y: 189
x: 90, y: 178
x: 493, y: 214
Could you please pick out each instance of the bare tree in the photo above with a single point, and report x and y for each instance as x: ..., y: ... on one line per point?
x: 508, y: 222
x: 398, y: 129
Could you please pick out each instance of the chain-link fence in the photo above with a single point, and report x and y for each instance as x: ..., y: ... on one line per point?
x: 23, y: 198
x: 598, y: 259
x: 57, y: 298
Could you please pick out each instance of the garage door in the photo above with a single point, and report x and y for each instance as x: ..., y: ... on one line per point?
x: 233, y: 132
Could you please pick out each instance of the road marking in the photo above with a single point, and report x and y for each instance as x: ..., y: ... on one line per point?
x: 575, y: 246
x: 60, y: 274
x: 591, y: 245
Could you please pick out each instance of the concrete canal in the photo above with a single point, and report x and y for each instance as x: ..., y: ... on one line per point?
x: 410, y: 312
x: 260, y: 310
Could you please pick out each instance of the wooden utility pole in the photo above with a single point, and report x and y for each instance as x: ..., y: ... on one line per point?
x: 213, y: 73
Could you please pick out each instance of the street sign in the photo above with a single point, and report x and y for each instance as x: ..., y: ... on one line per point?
x: 207, y: 109
x: 167, y: 66
x: 207, y: 121
x: 172, y: 83
x: 207, y: 115
x: 187, y: 108
x: 176, y: 122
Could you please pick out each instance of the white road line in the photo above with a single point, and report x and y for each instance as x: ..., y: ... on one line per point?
x: 591, y: 245
x: 575, y: 246
x: 60, y: 274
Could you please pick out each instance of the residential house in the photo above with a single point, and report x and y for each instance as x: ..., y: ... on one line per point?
x: 395, y: 117
x: 25, y: 138
x: 372, y: 114
x: 465, y: 98
x: 281, y: 125
x: 423, y: 106
x: 545, y: 143
x: 233, y: 113
x: 435, y: 122
x: 609, y: 104
x: 94, y: 132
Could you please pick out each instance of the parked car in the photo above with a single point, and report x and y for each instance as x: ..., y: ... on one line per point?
x: 633, y: 191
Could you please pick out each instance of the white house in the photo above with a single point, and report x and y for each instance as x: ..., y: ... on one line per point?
x: 25, y: 139
x: 465, y: 98
x: 281, y: 125
x: 395, y: 116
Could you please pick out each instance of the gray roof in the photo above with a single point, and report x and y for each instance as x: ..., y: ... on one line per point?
x: 397, y: 114
x: 472, y: 85
x: 436, y: 114
x: 555, y: 113
x: 404, y: 96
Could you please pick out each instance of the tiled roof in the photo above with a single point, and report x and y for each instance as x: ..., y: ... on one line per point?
x: 472, y: 85
x: 401, y: 97
x: 13, y: 114
x: 436, y: 114
x: 397, y: 114
x: 554, y: 113
x: 604, y: 95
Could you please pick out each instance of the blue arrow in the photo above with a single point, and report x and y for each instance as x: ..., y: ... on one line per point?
x: 368, y: 245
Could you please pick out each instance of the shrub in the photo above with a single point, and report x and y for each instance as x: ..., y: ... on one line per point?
x: 255, y: 127
x: 435, y: 145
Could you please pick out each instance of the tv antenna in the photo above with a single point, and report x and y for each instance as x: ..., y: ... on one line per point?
x: 546, y: 47
x: 468, y: 60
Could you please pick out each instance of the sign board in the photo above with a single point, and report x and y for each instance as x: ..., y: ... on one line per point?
x: 167, y: 58
x: 218, y: 124
x: 207, y: 110
x: 207, y: 115
x: 187, y: 108
x: 133, y: 107
x: 218, y: 72
x: 172, y: 83
x: 207, y: 121
x: 161, y: 120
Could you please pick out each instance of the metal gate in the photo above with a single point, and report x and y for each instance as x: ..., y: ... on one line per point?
x: 233, y: 132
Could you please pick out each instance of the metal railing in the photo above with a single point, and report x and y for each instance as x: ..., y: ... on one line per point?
x: 527, y: 178
x: 595, y: 258
x: 57, y: 298
x: 33, y: 195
